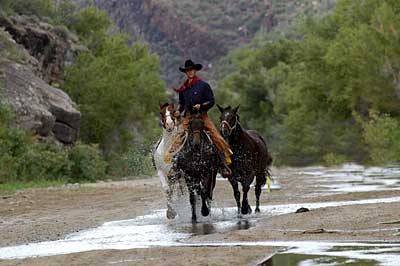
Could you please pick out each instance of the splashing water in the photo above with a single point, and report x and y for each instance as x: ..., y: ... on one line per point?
x: 154, y: 230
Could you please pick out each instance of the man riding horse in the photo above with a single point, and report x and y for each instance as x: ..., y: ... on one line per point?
x: 196, y: 96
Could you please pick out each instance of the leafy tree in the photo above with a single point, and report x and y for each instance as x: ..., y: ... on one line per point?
x: 115, y: 84
x: 306, y: 95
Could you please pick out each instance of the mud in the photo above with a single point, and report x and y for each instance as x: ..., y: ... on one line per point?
x: 98, y: 223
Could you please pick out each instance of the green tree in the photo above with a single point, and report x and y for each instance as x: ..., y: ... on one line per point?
x: 115, y: 84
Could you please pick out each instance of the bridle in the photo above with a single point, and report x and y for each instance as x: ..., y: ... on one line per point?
x: 230, y: 128
x: 165, y: 116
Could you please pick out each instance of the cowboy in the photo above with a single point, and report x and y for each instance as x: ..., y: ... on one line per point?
x: 196, y: 95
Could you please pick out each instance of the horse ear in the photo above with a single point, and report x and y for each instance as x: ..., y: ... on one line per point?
x: 236, y: 109
x: 163, y: 105
x: 221, y: 109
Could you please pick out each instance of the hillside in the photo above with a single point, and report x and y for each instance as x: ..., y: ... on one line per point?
x: 202, y: 30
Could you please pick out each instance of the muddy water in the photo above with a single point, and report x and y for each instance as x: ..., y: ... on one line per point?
x: 153, y: 230
x: 352, y: 178
x: 327, y: 254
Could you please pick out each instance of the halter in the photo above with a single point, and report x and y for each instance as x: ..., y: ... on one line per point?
x: 230, y: 129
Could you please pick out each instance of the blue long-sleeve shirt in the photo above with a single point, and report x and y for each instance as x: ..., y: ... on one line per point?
x: 199, y: 93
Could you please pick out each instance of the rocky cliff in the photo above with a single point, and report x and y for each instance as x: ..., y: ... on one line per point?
x: 32, y: 56
x: 204, y: 30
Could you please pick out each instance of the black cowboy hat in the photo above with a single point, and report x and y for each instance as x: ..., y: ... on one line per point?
x: 189, y: 64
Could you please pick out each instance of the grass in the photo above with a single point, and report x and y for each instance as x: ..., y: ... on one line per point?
x: 15, y: 186
x: 8, y: 49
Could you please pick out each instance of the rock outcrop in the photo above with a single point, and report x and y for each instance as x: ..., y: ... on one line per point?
x: 52, y: 47
x: 32, y: 58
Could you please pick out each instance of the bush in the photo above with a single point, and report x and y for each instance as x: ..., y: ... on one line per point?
x: 116, y: 86
x: 382, y: 137
x: 133, y: 162
x: 41, y: 8
x: 22, y: 159
x: 43, y: 162
x: 332, y: 159
x: 87, y: 163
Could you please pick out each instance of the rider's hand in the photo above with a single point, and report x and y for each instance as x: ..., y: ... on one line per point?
x: 197, y: 107
x: 177, y: 113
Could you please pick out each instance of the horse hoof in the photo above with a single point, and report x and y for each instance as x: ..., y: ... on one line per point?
x: 205, y: 212
x: 194, y: 220
x: 247, y: 210
x: 257, y: 210
x: 171, y: 214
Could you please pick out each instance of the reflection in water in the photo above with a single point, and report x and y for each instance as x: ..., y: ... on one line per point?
x: 291, y: 259
x: 344, y: 255
x: 212, y: 228
x: 352, y: 178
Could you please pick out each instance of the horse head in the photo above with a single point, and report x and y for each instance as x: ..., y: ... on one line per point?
x: 196, y: 128
x: 229, y: 119
x: 167, y: 116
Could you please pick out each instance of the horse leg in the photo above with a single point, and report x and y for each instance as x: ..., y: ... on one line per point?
x: 236, y: 192
x: 246, y: 209
x: 204, y: 208
x: 171, y: 213
x: 206, y: 194
x: 192, y: 198
x: 260, y: 182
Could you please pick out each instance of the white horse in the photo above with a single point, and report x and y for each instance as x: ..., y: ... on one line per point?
x: 170, y: 127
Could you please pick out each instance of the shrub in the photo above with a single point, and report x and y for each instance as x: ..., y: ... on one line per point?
x: 133, y: 162
x: 42, y: 8
x: 87, y: 163
x: 382, y: 136
x: 332, y: 159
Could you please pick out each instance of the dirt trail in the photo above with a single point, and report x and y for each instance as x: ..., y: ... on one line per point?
x: 50, y: 214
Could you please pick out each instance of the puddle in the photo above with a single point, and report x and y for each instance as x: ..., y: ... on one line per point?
x: 154, y: 230
x: 352, y: 178
x: 332, y: 254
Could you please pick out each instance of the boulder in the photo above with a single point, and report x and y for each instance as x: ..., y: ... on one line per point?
x: 39, y: 107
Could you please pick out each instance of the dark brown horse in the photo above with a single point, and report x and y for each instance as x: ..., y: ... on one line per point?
x: 250, y: 157
x: 198, y: 160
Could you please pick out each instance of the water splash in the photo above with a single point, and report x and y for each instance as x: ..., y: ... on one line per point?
x: 154, y: 230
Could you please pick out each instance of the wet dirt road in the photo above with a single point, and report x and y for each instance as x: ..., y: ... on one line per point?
x: 123, y: 223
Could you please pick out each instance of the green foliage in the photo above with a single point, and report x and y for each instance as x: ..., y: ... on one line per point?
x: 17, y: 185
x: 60, y: 12
x: 8, y: 49
x: 24, y: 160
x: 42, y: 8
x: 303, y: 94
x: 133, y: 162
x: 332, y: 159
x: 91, y: 25
x: 115, y: 85
x: 65, y: 13
x: 87, y: 163
x: 382, y: 138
